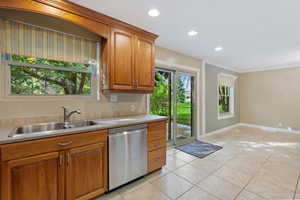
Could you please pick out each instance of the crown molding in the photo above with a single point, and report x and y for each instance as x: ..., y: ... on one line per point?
x: 223, y: 67
x: 169, y: 65
x: 268, y: 68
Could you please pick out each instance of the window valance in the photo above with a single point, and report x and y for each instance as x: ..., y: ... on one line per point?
x: 28, y: 40
x: 227, y: 80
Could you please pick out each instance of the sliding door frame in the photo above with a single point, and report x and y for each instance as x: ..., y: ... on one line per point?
x: 197, y: 101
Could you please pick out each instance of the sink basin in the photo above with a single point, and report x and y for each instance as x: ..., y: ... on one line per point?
x: 47, y: 127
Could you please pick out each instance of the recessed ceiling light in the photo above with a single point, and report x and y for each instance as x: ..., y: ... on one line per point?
x: 153, y: 13
x: 192, y: 33
x: 218, y: 48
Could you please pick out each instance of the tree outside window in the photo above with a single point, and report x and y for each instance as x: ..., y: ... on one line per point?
x: 224, y: 99
x: 61, y: 78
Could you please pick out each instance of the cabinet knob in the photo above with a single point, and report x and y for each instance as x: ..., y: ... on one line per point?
x: 135, y: 83
x: 68, y: 159
x: 61, y: 160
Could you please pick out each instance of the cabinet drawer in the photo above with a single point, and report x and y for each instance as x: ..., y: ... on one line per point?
x: 154, y: 126
x: 35, y: 147
x: 156, y: 144
x: 156, y: 159
x: 156, y: 135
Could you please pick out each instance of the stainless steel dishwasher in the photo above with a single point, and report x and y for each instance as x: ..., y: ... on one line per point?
x: 128, y: 154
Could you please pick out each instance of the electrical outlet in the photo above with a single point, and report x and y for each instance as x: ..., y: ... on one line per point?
x: 132, y: 108
x: 113, y: 98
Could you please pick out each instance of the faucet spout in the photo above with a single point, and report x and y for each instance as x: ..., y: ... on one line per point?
x: 69, y: 113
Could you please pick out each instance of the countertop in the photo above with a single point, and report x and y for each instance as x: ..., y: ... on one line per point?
x: 102, y: 124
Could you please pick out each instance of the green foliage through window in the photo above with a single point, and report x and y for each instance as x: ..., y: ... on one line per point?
x: 26, y: 80
x: 160, y: 98
x: 224, y: 99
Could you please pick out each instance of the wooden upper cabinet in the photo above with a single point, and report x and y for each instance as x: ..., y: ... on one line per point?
x: 144, y: 64
x: 122, y: 59
x: 131, y: 66
x: 86, y: 171
x: 37, y: 177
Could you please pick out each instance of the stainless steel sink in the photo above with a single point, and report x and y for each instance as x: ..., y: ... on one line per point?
x: 48, y: 127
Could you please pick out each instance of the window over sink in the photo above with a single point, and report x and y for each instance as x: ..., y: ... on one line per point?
x: 40, y: 61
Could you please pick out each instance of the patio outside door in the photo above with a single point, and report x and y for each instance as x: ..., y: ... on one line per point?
x: 173, y: 97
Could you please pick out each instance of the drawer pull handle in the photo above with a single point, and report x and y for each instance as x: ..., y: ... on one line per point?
x: 63, y: 144
x: 157, y: 159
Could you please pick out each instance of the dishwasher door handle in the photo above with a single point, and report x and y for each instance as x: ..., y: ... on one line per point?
x: 141, y: 131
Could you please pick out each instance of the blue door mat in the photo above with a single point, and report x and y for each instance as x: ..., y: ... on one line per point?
x: 199, y: 149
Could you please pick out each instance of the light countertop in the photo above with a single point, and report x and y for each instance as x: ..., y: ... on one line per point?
x: 101, y: 124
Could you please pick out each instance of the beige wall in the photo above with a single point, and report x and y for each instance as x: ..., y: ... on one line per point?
x: 173, y: 57
x: 271, y: 97
x: 174, y: 60
x: 19, y: 112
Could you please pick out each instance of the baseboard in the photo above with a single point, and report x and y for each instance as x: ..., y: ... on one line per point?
x: 269, y: 128
x: 219, y: 130
x: 266, y: 128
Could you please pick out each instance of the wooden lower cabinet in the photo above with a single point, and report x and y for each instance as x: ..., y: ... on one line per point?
x: 157, y: 159
x: 34, y: 178
x: 156, y: 145
x: 86, y: 172
x: 77, y: 173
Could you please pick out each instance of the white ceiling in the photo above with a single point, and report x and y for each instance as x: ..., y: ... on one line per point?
x: 255, y: 34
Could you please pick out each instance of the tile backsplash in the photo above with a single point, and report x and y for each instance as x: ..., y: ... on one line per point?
x: 18, y: 113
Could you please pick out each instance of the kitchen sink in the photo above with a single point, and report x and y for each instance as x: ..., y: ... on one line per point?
x: 48, y: 127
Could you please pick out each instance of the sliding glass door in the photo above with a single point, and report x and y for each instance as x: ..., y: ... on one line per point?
x: 184, y: 107
x: 161, y: 98
x: 173, y: 97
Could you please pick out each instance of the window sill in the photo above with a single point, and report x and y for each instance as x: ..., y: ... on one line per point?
x: 225, y: 116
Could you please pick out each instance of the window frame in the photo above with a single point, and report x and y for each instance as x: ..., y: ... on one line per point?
x: 231, y: 113
x: 5, y: 88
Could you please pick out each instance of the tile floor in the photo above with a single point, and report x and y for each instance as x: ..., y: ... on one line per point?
x: 253, y: 165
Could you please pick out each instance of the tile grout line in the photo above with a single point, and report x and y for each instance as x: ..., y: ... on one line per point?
x: 210, y: 174
x: 243, y: 188
x: 195, y: 184
x: 171, y: 172
x: 297, y: 185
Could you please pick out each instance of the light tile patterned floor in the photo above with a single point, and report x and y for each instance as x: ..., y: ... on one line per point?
x: 253, y: 165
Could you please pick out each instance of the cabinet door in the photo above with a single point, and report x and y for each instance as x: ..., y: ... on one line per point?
x: 33, y: 178
x: 86, y: 172
x: 122, y: 60
x: 144, y: 64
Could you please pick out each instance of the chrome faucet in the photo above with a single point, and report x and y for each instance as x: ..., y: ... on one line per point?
x: 69, y: 113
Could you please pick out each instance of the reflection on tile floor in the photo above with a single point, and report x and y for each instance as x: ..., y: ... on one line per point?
x: 253, y: 165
